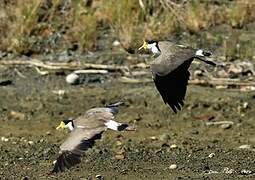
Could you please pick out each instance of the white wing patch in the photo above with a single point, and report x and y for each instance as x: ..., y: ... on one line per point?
x: 199, y: 52
x: 112, y: 125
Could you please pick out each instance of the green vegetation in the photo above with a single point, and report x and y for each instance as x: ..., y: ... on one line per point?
x: 38, y: 26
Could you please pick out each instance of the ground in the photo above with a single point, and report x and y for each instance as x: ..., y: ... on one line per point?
x: 32, y: 106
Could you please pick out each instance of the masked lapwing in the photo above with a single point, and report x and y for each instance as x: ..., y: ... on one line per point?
x: 170, y: 69
x: 85, y: 130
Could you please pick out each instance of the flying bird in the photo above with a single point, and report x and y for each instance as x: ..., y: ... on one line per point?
x: 85, y: 130
x: 170, y: 69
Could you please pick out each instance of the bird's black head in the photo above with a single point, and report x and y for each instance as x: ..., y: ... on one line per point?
x: 66, y: 121
x: 152, y: 42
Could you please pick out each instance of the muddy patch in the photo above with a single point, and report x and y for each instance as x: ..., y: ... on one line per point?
x: 165, y: 145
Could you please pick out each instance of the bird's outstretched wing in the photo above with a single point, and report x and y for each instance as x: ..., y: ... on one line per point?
x: 172, y: 56
x: 71, y: 150
x: 172, y: 87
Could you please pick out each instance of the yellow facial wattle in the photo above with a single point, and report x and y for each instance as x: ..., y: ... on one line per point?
x: 61, y: 125
x: 144, y: 46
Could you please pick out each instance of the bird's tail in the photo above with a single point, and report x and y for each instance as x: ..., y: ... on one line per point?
x: 202, y: 55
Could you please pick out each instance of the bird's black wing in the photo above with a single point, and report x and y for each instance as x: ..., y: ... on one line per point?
x: 172, y: 87
x: 71, y: 150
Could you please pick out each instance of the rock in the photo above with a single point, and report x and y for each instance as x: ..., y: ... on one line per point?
x: 212, y: 172
x: 246, y: 171
x: 30, y: 142
x: 173, y: 146
x: 72, y: 78
x: 98, y: 176
x: 64, y: 56
x: 222, y: 74
x: 245, y: 105
x: 116, y: 43
x: 173, y: 166
x: 24, y: 178
x: 153, y: 138
x: 227, y: 170
x: 245, y: 146
x: 247, y: 88
x: 211, y: 155
x: 225, y: 126
x: 198, y: 73
x: 221, y: 87
x: 17, y: 115
x: 119, y: 143
x: 59, y: 92
x: 119, y: 156
x: 4, y: 139
x: 5, y: 82
x: 235, y: 69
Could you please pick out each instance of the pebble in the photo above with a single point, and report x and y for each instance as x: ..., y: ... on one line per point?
x: 247, y: 88
x: 221, y: 87
x: 173, y: 146
x: 198, y: 73
x: 245, y: 146
x: 173, y: 166
x: 72, y: 78
x: 245, y: 105
x: 17, y: 115
x: 246, y: 172
x: 119, y: 156
x: 227, y: 170
x: 212, y: 172
x: 118, y: 143
x: 30, y: 142
x: 59, y: 92
x: 153, y: 138
x: 225, y: 126
x: 4, y: 139
x: 211, y: 155
x: 98, y: 176
x: 116, y: 43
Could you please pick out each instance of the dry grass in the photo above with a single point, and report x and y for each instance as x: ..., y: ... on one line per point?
x: 83, y: 27
x: 25, y: 24
x: 21, y: 21
x: 241, y: 13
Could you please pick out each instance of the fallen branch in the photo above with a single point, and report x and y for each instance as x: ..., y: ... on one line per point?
x: 226, y: 82
x: 91, y: 71
x: 64, y: 66
x: 124, y: 79
x: 219, y: 123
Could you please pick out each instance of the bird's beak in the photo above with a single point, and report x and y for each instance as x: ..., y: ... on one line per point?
x: 61, y: 125
x: 144, y: 46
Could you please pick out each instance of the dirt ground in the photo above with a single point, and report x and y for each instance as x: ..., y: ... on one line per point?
x: 33, y: 105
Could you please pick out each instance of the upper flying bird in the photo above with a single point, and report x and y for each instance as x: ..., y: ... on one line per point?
x: 84, y: 131
x: 170, y: 69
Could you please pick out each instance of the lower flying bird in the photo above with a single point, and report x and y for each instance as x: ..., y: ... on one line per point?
x: 84, y: 131
x: 170, y: 69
